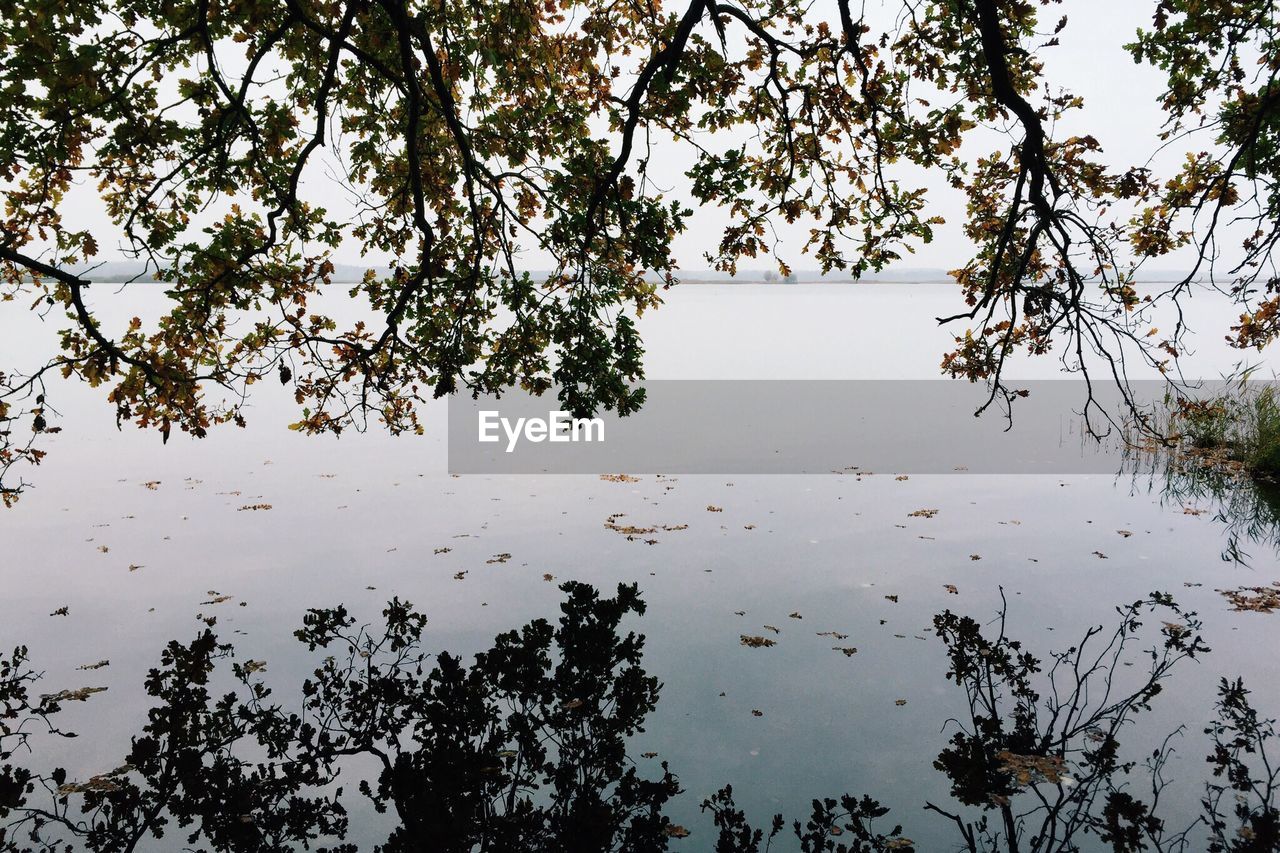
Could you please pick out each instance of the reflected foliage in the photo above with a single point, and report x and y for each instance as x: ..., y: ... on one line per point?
x: 1041, y: 757
x: 1242, y: 774
x: 842, y: 825
x: 525, y: 748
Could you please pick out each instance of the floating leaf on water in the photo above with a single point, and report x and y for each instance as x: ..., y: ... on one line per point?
x: 628, y: 530
x: 103, y: 783
x: 1253, y: 599
x: 79, y: 695
x: 1026, y: 769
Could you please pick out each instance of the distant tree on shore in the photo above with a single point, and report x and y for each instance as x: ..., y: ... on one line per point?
x: 217, y: 135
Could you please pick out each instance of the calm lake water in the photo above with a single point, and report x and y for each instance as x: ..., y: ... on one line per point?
x: 366, y: 517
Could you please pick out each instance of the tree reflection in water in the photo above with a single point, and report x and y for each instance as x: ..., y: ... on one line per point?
x: 525, y: 748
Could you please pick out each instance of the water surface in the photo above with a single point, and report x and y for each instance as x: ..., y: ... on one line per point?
x: 134, y: 540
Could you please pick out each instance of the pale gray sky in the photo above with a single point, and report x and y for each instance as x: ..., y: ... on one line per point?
x: 1120, y: 111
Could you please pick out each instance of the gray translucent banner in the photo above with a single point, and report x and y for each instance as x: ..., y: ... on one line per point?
x: 798, y: 427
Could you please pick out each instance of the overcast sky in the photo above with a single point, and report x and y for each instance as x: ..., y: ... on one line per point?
x: 1120, y: 111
